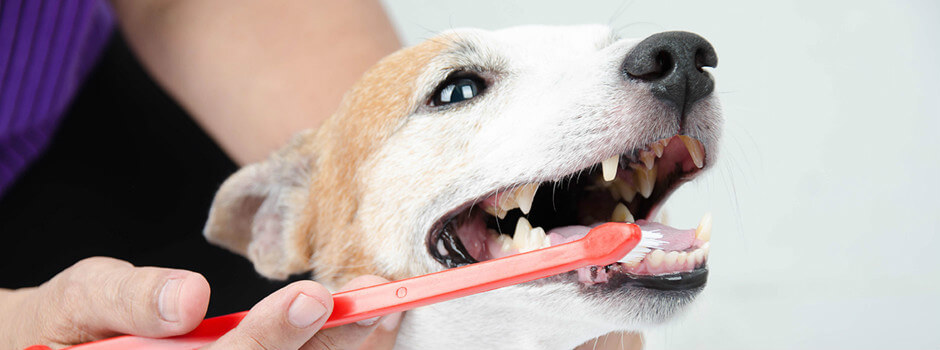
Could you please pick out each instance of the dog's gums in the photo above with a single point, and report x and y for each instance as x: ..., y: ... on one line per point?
x: 629, y: 185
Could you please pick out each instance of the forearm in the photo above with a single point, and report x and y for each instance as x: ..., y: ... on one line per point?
x: 252, y: 73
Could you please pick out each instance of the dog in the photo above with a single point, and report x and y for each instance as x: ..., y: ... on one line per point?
x: 479, y: 144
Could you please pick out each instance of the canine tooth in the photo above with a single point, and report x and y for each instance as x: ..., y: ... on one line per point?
x: 698, y: 156
x: 626, y: 191
x: 655, y: 258
x: 645, y: 179
x: 440, y: 248
x: 670, y: 258
x: 609, y: 166
x: 522, y: 227
x: 621, y: 214
x: 704, y: 230
x: 648, y: 159
x: 705, y: 247
x: 525, y: 195
x: 657, y: 148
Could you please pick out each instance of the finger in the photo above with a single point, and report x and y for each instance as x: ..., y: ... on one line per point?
x: 384, y: 336
x: 284, y: 320
x: 355, y: 335
x: 100, y: 297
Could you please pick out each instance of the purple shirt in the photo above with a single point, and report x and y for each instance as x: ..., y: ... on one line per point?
x: 46, y: 49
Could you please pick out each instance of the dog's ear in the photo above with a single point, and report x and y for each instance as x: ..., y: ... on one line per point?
x: 257, y: 210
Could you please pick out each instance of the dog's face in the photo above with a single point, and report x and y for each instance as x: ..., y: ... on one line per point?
x: 441, y: 148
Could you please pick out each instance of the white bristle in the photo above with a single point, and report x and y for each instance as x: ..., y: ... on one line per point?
x: 651, y: 240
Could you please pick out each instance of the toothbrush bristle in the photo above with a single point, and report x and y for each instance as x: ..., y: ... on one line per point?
x: 649, y: 241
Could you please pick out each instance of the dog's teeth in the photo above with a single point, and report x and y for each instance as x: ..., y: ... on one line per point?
x: 655, y: 258
x: 621, y: 214
x: 648, y: 159
x: 695, y: 150
x: 665, y: 142
x: 682, y: 257
x: 525, y: 195
x: 609, y: 166
x: 705, y: 247
x: 698, y: 255
x: 520, y: 238
x: 704, y: 230
x: 505, y: 242
x: 644, y: 179
x: 440, y: 248
x: 536, y: 239
x: 522, y: 227
x: 496, y: 211
x: 625, y: 190
x: 657, y: 148
x: 670, y: 258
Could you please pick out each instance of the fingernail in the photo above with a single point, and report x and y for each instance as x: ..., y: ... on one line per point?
x: 304, y: 311
x: 169, y: 300
x: 368, y: 322
x: 390, y: 322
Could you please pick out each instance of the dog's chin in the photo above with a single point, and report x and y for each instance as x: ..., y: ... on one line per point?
x: 630, y: 187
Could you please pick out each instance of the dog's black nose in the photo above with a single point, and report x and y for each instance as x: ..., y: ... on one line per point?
x: 671, y: 62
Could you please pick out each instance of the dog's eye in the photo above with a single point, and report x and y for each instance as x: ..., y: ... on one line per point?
x: 457, y: 89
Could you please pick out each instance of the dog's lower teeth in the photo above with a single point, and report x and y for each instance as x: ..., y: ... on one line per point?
x: 621, y: 214
x: 704, y: 230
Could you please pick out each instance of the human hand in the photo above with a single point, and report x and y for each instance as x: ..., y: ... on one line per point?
x: 102, y: 297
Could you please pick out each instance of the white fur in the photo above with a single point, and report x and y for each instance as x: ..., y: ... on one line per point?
x: 559, y: 104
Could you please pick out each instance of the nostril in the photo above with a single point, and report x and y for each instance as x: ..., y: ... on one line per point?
x: 705, y: 57
x: 653, y: 66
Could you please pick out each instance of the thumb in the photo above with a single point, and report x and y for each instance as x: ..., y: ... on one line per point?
x: 102, y: 297
x: 285, y: 319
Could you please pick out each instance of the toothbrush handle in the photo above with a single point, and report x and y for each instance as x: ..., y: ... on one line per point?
x: 603, y: 245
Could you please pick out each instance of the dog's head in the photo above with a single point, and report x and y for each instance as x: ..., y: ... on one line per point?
x: 475, y: 145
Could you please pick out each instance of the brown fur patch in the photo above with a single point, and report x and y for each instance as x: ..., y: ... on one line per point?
x: 327, y: 227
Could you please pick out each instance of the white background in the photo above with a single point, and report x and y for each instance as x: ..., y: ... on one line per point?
x: 825, y: 197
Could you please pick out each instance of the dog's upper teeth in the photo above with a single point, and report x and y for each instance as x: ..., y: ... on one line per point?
x: 621, y: 214
x: 704, y: 230
x: 609, y: 166
x: 658, y: 148
x: 648, y: 158
x: 525, y: 194
x: 625, y: 190
x: 645, y: 179
x: 495, y: 211
x: 695, y: 150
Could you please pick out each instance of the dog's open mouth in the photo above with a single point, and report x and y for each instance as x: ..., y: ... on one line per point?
x: 630, y: 187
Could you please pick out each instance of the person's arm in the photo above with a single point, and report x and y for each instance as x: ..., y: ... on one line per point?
x: 252, y: 73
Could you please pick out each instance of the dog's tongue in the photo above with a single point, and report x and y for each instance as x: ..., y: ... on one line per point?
x: 675, y: 239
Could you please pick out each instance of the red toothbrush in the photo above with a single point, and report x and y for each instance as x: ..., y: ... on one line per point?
x: 603, y: 245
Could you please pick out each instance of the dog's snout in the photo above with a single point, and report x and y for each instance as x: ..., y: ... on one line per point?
x: 671, y: 63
